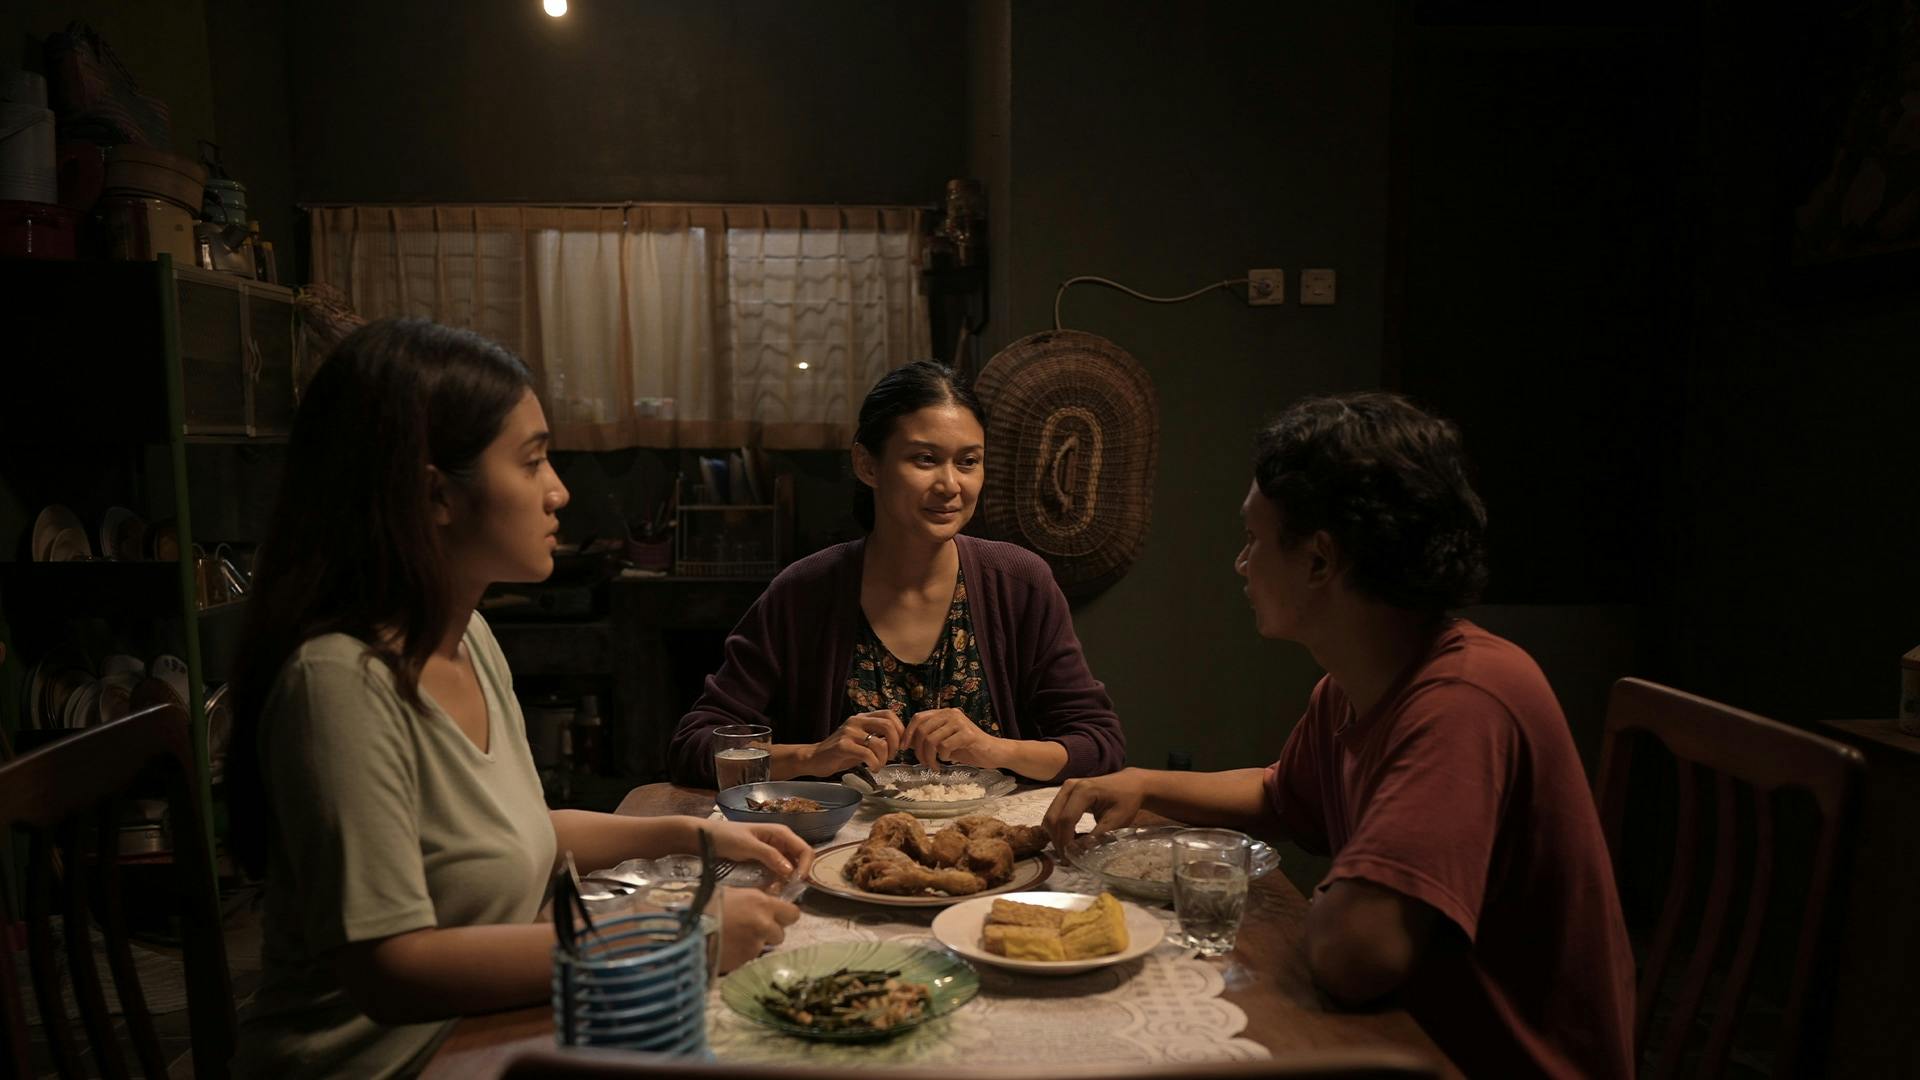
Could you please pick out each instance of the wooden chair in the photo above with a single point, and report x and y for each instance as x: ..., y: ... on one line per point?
x: 67, y: 796
x: 556, y: 1064
x: 1739, y: 752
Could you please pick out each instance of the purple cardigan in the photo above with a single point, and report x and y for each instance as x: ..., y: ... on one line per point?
x: 786, y: 662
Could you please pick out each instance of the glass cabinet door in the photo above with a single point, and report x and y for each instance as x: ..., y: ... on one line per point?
x: 214, y: 361
x: 270, y: 332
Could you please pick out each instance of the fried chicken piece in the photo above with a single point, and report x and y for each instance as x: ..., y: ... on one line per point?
x: 992, y: 860
x: 904, y: 877
x: 900, y: 831
x: 948, y: 847
x: 870, y: 860
x: 1024, y: 839
x: 898, y: 857
x: 989, y: 857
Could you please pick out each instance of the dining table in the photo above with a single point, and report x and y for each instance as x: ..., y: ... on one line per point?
x: 1172, y: 1006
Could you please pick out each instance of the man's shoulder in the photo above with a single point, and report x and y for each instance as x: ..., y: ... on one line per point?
x: 1472, y: 666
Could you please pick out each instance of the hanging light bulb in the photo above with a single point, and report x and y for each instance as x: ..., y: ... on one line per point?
x: 555, y: 8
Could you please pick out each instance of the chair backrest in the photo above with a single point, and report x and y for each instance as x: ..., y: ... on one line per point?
x: 573, y: 1064
x: 1731, y: 749
x: 67, y: 796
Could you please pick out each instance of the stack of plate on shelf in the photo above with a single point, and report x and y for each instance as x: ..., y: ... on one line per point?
x: 62, y: 691
x: 58, y: 536
x: 124, y: 536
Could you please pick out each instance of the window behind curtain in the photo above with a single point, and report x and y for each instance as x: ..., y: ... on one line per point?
x: 657, y: 325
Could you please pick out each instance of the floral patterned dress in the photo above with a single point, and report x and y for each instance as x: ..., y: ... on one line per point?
x: 949, y: 678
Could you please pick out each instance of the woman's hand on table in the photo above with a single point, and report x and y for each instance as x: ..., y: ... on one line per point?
x: 938, y: 735
x: 775, y: 847
x: 1113, y: 800
x: 750, y: 922
x: 869, y: 738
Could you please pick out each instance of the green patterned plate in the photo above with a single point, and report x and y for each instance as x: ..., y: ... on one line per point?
x: 950, y: 981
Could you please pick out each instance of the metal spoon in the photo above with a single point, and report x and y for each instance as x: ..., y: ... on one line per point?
x: 874, y: 787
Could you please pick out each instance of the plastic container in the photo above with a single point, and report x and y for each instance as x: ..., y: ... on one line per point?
x: 138, y: 227
x: 636, y: 986
x: 225, y: 201
x: 28, y: 172
x: 138, y: 171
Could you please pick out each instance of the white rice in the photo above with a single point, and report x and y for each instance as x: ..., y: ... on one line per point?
x: 944, y: 793
x: 1142, y: 862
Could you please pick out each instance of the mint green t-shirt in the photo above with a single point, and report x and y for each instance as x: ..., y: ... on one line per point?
x: 388, y: 819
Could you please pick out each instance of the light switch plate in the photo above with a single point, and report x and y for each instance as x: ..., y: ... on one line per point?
x: 1316, y: 286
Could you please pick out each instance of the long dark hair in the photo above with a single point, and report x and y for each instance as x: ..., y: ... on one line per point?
x: 353, y: 548
x: 1389, y: 482
x: 906, y: 389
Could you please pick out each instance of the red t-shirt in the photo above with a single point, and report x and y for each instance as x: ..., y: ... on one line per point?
x: 1462, y: 790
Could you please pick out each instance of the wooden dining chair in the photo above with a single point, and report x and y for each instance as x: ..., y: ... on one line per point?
x: 67, y: 796
x: 1358, y: 1064
x: 1728, y: 756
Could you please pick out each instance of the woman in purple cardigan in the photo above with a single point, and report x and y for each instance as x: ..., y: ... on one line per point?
x: 915, y: 638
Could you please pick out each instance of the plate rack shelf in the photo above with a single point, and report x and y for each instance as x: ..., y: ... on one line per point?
x: 120, y: 382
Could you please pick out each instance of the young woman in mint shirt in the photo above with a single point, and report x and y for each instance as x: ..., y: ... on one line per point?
x: 380, y: 776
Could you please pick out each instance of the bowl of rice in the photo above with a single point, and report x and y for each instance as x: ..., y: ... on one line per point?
x: 947, y: 791
x: 1139, y: 862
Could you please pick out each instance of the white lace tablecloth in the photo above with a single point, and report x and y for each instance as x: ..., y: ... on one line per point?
x: 1163, y: 1008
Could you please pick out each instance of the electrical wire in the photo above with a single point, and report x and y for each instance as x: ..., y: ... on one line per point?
x: 1058, y: 296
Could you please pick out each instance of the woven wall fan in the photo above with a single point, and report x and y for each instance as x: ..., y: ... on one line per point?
x: 1073, y: 436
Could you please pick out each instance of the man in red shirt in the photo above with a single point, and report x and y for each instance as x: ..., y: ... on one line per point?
x: 1470, y: 878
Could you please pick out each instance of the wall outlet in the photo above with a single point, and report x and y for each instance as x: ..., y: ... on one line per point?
x: 1266, y: 287
x: 1316, y: 286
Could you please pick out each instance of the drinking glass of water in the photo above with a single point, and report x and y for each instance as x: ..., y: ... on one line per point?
x: 1210, y: 871
x: 742, y: 754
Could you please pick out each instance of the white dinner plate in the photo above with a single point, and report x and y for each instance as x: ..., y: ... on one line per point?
x: 48, y: 528
x: 959, y: 928
x: 123, y: 535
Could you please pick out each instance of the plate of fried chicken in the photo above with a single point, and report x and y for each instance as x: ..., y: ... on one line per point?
x: 903, y: 865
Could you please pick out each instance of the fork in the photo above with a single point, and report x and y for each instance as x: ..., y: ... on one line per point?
x: 722, y: 868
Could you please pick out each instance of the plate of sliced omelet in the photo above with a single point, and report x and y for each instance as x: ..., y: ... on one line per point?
x: 1048, y: 933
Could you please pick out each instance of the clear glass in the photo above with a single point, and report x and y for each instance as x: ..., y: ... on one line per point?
x: 1210, y: 874
x: 742, y: 754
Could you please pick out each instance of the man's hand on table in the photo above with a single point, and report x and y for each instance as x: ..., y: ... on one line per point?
x: 1113, y: 800
x: 750, y: 922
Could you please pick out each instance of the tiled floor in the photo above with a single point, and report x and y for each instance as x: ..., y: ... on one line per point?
x: 242, y: 924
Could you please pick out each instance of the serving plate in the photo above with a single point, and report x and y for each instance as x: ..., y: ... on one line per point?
x: 1094, y: 852
x: 959, y: 928
x: 910, y: 777
x: 950, y: 982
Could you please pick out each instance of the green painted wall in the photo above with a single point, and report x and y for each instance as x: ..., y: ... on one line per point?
x: 1168, y: 146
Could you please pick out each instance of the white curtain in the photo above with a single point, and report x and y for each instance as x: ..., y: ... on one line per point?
x: 657, y: 325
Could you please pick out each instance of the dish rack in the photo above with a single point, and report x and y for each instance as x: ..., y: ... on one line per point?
x: 731, y: 540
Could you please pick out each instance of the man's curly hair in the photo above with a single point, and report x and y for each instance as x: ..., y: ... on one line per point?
x: 1389, y: 483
